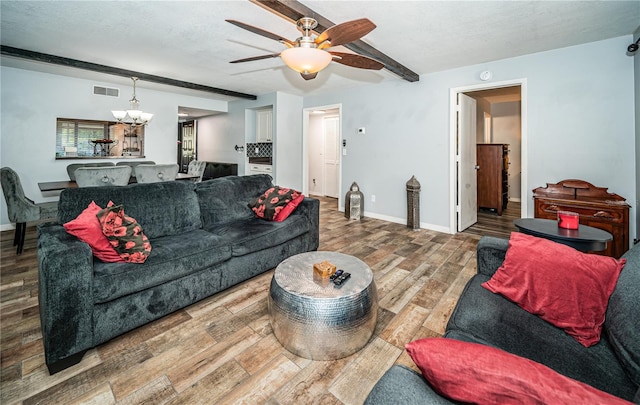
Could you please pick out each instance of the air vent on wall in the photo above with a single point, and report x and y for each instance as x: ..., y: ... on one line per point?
x: 106, y: 91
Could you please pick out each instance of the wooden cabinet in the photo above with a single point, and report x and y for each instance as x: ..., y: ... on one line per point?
x: 493, y: 176
x: 595, y: 205
x: 264, y: 125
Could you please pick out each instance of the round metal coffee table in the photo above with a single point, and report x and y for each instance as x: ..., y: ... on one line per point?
x: 314, y: 319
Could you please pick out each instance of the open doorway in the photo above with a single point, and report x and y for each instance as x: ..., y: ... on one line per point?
x: 494, y: 120
x: 322, y: 161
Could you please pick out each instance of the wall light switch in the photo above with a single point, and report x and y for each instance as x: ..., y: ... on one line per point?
x: 344, y: 151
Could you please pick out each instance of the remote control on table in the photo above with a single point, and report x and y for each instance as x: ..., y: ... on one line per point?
x: 338, y: 281
x: 336, y: 274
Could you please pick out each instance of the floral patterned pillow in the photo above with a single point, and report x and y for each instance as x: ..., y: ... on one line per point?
x: 276, y: 204
x: 124, y: 234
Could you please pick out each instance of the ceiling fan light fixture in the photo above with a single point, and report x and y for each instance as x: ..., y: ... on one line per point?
x: 306, y: 60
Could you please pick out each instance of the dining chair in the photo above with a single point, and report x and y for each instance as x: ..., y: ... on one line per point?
x: 196, y: 167
x: 133, y: 165
x: 156, y: 173
x: 21, y: 209
x: 71, y: 169
x: 103, y: 176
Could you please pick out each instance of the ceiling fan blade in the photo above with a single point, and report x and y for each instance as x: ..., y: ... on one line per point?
x: 357, y: 61
x: 262, y: 32
x: 272, y: 55
x: 309, y: 76
x: 345, y: 32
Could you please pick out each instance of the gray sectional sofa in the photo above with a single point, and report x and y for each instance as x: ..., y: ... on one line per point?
x: 612, y: 365
x: 204, y: 239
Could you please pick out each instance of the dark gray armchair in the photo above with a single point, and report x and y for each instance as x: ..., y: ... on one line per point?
x: 21, y: 209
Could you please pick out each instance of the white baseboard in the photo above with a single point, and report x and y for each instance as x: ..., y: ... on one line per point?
x: 7, y: 227
x: 397, y: 220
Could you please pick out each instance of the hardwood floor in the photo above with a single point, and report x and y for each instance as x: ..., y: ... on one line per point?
x: 492, y: 224
x: 222, y: 349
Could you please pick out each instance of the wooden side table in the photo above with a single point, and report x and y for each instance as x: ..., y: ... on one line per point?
x: 595, y: 205
x: 585, y: 238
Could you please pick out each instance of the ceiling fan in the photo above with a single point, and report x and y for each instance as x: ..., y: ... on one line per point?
x: 309, y: 55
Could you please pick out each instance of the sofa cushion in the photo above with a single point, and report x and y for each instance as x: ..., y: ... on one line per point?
x: 254, y: 234
x: 622, y: 324
x: 166, y: 208
x: 124, y: 234
x: 276, y: 204
x: 225, y: 199
x: 475, y: 373
x: 172, y: 257
x: 490, y: 318
x: 563, y: 286
x: 86, y: 227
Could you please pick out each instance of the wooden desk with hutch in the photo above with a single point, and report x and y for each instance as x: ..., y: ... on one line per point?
x: 595, y: 205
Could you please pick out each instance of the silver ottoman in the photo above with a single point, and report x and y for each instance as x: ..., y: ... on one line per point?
x: 314, y: 319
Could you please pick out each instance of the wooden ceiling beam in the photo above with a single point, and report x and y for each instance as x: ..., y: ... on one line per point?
x: 293, y: 10
x: 95, y: 67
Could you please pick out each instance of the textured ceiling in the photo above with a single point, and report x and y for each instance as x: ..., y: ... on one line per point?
x: 190, y: 41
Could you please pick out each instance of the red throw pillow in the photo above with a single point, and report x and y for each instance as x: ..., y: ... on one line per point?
x: 276, y: 204
x: 561, y: 285
x: 124, y: 233
x: 479, y: 374
x: 87, y: 228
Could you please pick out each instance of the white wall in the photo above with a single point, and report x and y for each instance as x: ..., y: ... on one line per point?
x: 288, y: 141
x: 580, y: 125
x: 581, y: 112
x: 505, y: 126
x: 287, y: 151
x: 216, y: 143
x: 239, y: 124
x: 32, y: 101
x: 482, y: 107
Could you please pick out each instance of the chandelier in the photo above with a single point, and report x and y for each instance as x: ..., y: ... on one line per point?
x: 135, y: 115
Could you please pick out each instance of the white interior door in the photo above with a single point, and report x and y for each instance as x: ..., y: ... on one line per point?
x: 467, y: 181
x: 331, y: 156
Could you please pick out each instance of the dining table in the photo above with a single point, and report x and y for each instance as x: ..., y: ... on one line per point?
x: 64, y: 184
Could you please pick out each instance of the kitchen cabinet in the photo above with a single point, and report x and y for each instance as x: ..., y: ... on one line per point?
x: 260, y: 169
x: 264, y: 125
x: 493, y: 176
x: 595, y: 206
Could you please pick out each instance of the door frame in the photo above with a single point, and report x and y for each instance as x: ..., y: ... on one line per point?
x: 306, y: 112
x: 453, y: 133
